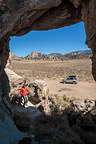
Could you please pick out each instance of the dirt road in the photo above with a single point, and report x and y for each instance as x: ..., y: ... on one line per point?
x: 81, y: 90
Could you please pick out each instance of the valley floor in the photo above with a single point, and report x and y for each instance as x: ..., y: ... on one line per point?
x: 81, y: 91
x: 53, y: 71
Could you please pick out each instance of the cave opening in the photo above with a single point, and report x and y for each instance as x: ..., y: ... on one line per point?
x: 63, y: 40
x: 63, y: 51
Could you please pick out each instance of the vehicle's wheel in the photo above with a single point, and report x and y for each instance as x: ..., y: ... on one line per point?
x: 74, y: 82
x: 61, y: 81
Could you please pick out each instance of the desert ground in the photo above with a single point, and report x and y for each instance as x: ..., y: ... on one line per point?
x: 82, y: 90
x: 53, y: 71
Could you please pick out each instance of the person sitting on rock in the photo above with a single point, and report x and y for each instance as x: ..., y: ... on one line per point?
x: 23, y: 93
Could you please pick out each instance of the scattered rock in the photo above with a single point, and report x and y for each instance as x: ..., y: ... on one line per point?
x: 79, y: 105
x: 90, y: 104
x: 83, y: 106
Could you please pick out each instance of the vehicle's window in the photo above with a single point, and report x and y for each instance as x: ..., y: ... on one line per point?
x: 68, y: 78
x: 75, y: 78
x: 71, y: 78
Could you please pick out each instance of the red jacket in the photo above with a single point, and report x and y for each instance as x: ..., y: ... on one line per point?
x: 24, y: 91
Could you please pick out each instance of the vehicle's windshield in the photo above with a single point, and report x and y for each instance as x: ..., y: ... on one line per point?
x: 71, y: 78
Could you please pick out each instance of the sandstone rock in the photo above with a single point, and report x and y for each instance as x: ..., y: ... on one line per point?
x: 39, y: 91
x: 13, y: 77
x: 84, y: 106
x: 89, y: 103
x: 79, y: 105
x: 15, y: 80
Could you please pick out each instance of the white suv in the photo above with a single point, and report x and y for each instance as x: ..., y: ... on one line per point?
x: 70, y: 79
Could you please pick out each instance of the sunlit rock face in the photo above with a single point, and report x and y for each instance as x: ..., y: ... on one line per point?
x: 18, y: 17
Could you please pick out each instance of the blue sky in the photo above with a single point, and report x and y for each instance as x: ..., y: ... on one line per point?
x: 63, y: 40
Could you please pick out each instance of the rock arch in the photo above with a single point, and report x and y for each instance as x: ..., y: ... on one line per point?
x: 18, y: 17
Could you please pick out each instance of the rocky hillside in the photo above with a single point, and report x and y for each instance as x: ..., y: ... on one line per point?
x: 53, y: 56
x: 12, y: 56
x: 79, y: 54
x: 58, y: 56
x: 39, y: 56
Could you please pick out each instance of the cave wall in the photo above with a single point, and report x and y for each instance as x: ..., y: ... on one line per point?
x: 89, y: 18
x: 18, y: 17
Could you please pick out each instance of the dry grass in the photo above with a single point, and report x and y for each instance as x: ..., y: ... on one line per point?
x: 54, y: 70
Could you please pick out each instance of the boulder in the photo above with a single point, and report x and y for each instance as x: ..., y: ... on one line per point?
x: 15, y: 81
x: 39, y: 91
x: 83, y: 106
x: 13, y: 77
x: 79, y: 105
x: 89, y: 104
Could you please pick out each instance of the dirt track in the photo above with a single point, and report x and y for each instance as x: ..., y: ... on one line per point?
x: 81, y: 90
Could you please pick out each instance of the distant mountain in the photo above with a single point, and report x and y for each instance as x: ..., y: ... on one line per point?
x: 79, y: 54
x: 38, y: 56
x: 58, y: 56
x: 35, y: 55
